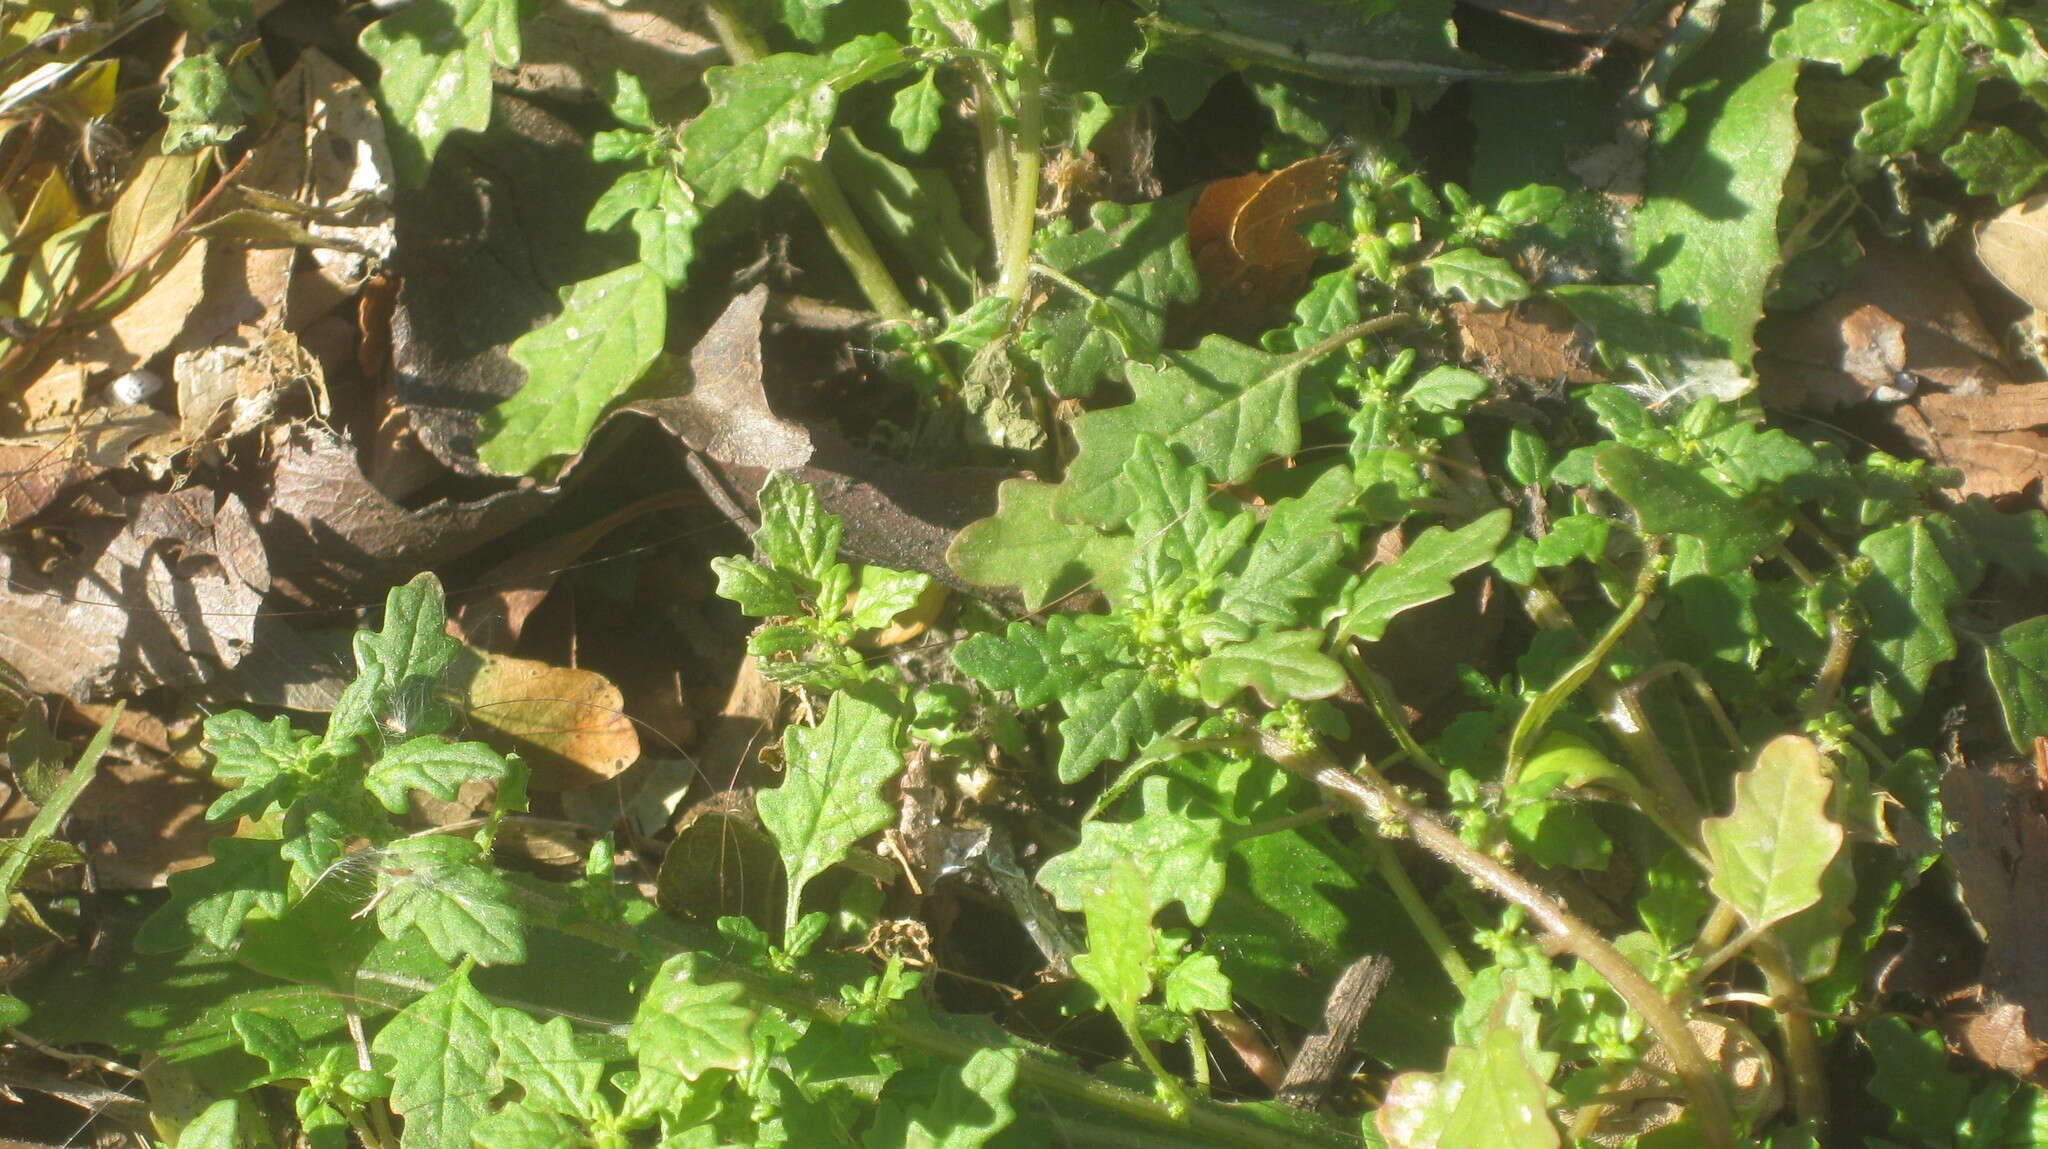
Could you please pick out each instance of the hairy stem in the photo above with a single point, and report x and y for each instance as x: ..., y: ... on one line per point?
x: 1024, y: 146
x: 1388, y: 865
x: 1370, y: 793
x: 816, y: 184
x: 1795, y: 1022
x: 1384, y: 705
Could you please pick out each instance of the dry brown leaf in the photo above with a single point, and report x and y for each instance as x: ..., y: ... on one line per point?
x: 338, y: 538
x: 569, y: 724
x: 1535, y: 340
x: 138, y: 821
x: 1999, y: 1037
x: 725, y: 413
x: 34, y: 474
x: 1998, y: 439
x: 1999, y: 847
x: 167, y: 595
x: 1245, y: 232
x: 2013, y: 247
x: 571, y: 49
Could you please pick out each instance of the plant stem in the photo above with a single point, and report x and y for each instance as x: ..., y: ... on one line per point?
x: 1370, y: 793
x: 1827, y: 683
x: 653, y: 940
x: 1795, y: 1022
x: 819, y: 189
x: 1024, y: 146
x: 1388, y: 709
x: 44, y: 825
x: 1388, y: 863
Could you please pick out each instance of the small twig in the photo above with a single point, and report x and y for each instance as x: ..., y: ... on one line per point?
x: 1321, y: 1058
x: 1369, y: 793
x: 72, y: 315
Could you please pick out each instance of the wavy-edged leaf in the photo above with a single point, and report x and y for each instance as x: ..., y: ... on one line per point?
x: 1025, y: 545
x: 1279, y: 664
x: 444, y: 1069
x: 690, y: 1023
x: 247, y: 876
x: 435, y: 60
x: 433, y: 765
x: 1180, y: 855
x: 762, y: 115
x: 1105, y: 723
x: 1476, y: 277
x: 1422, y: 574
x: 1671, y: 499
x: 1906, y: 600
x: 444, y: 888
x: 1846, y: 33
x: 1132, y: 262
x: 2017, y: 659
x: 830, y: 795
x: 609, y: 331
x: 1770, y: 851
x: 1291, y: 569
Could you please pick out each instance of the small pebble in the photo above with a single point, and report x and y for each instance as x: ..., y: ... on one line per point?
x: 136, y: 387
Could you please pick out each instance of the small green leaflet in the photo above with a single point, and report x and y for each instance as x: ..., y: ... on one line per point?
x: 1196, y: 984
x: 1103, y: 724
x: 1487, y: 1095
x: 262, y: 759
x: 762, y: 592
x: 1479, y: 278
x: 1292, y: 566
x: 970, y: 1106
x: 1671, y: 499
x: 1846, y: 32
x: 663, y: 214
x: 542, y: 1059
x: 1279, y: 664
x: 797, y: 535
x: 1180, y: 854
x: 762, y: 115
x: 1770, y: 851
x: 435, y: 58
x: 609, y: 331
x: 830, y: 795
x: 2000, y: 163
x: 1906, y: 601
x: 1173, y: 512
x: 2017, y: 659
x: 1422, y: 574
x: 915, y: 112
x: 1028, y: 660
x: 445, y: 1064
x: 1927, y: 101
x: 1118, y: 963
x: 1131, y: 263
x: 886, y: 593
x: 433, y: 765
x: 691, y: 1023
x: 247, y: 876
x: 1716, y: 261
x: 1025, y: 545
x: 218, y: 1126
x: 413, y: 645
x: 443, y: 887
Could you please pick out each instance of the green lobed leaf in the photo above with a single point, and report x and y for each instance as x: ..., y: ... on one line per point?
x: 2000, y: 163
x: 433, y: 765
x: 1279, y: 664
x: 761, y: 592
x: 219, y: 1126
x: 444, y: 1065
x: 915, y: 211
x: 1422, y: 574
x: 762, y: 116
x: 1133, y: 262
x: 1173, y: 515
x: 1476, y: 277
x: 914, y: 112
x: 1905, y: 601
x: 667, y: 231
x: 1228, y: 406
x: 526, y: 1126
x: 971, y: 1105
x: 1846, y: 32
x: 1118, y: 963
x: 2017, y: 660
x: 1708, y: 229
x: 1027, y: 546
x: 797, y: 536
x: 1927, y: 101
x: 1671, y: 499
x: 1912, y: 1077
x: 1103, y: 724
x: 1292, y: 571
x: 1770, y: 851
x: 435, y: 61
x: 1030, y: 661
x: 692, y: 1022
x: 247, y: 876
x: 1179, y: 854
x: 886, y: 593
x: 830, y: 795
x: 413, y: 644
x: 260, y: 759
x: 609, y: 330
x: 542, y: 1059
x: 446, y: 889
x: 1196, y: 984
x: 1487, y: 1095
